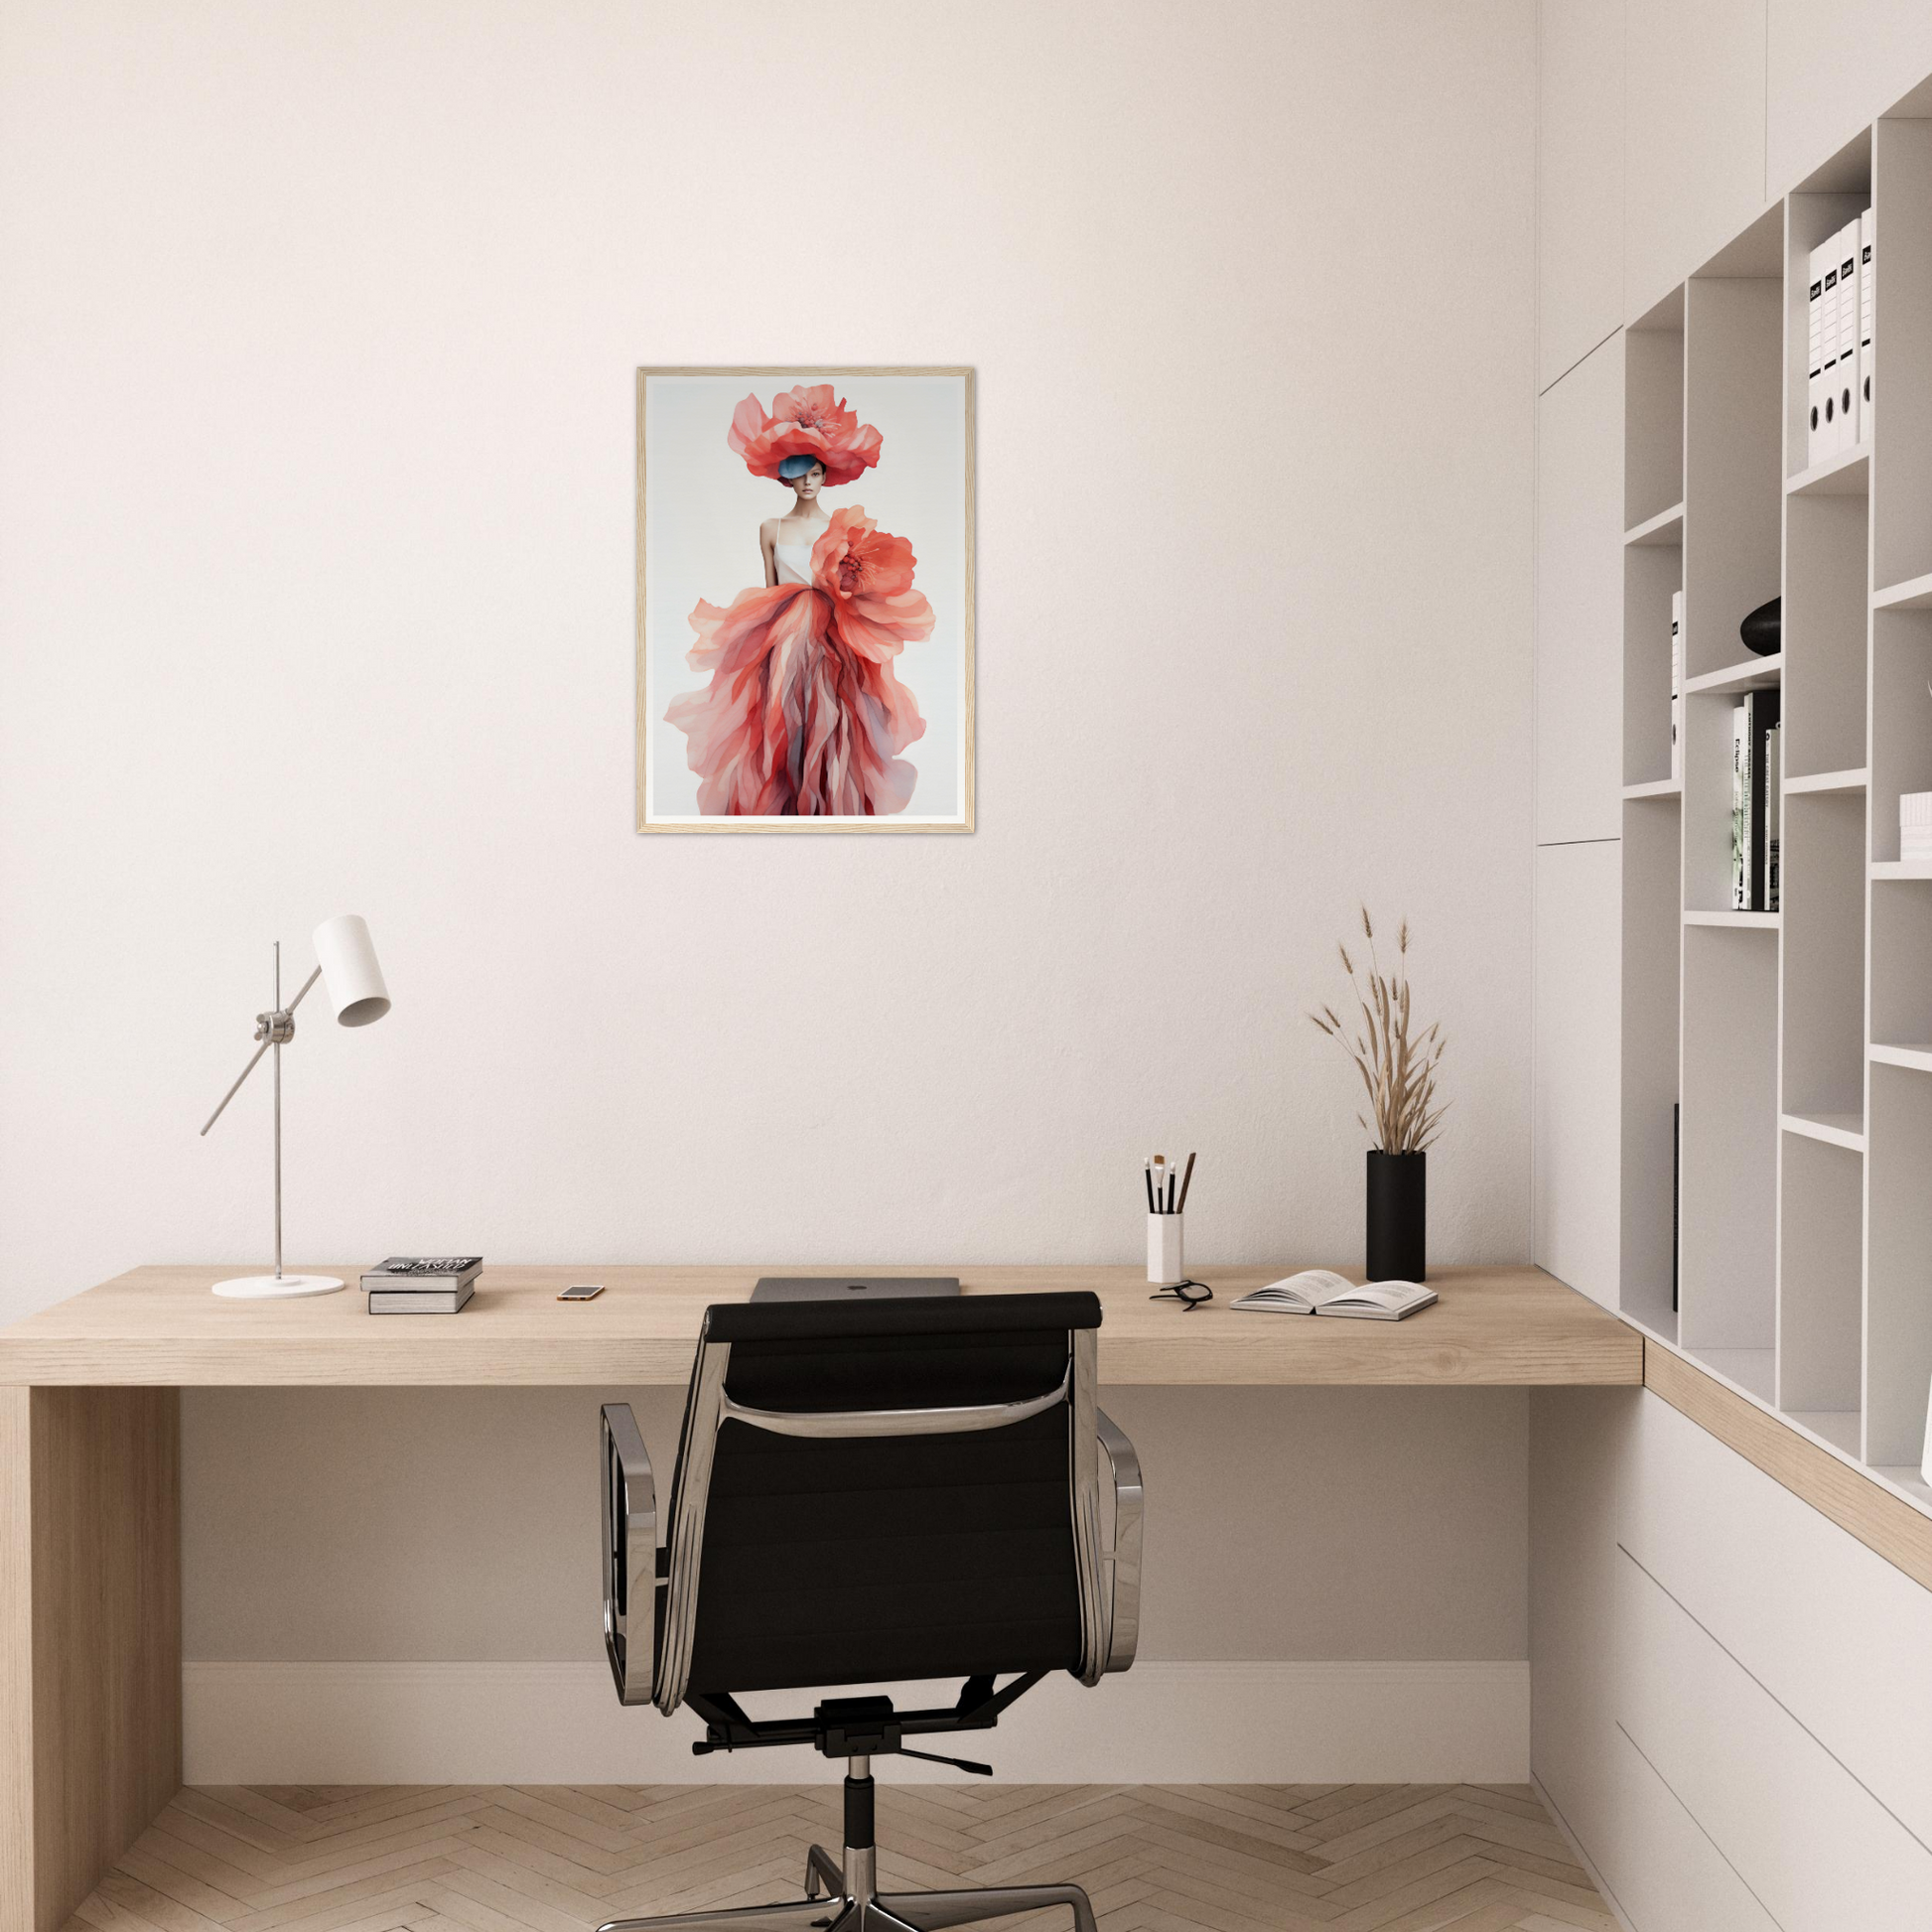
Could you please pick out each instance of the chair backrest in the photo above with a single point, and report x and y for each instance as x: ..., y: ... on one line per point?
x: 885, y: 1491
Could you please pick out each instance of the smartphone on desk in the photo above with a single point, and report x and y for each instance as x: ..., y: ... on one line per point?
x: 582, y: 1291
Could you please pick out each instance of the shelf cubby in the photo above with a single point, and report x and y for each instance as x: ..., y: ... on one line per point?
x: 1823, y: 922
x: 1652, y: 573
x: 1901, y: 719
x: 1821, y: 1257
x: 1902, y: 964
x: 1652, y: 952
x: 1898, y: 1312
x: 1653, y: 434
x: 1707, y: 803
x: 1825, y: 612
x: 1901, y: 402
x: 1730, y: 1083
x: 1733, y: 480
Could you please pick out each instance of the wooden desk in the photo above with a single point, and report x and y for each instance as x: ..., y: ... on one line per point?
x: 89, y: 1462
x: 161, y: 1328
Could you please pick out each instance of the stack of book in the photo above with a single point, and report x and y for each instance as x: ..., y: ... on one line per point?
x: 1755, y: 803
x: 422, y: 1284
x: 1839, y: 362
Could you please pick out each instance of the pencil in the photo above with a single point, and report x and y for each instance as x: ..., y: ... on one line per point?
x: 1186, y: 1181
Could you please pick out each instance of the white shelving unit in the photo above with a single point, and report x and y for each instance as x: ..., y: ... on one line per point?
x: 1797, y: 1044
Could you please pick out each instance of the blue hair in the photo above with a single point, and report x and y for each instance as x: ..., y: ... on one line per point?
x: 794, y: 467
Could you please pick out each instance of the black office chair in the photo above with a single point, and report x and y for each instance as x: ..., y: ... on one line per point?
x: 866, y: 1494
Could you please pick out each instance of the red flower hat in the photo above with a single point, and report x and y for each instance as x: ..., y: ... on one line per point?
x: 803, y: 422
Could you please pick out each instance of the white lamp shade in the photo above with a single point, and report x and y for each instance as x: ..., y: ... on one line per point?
x: 349, y: 975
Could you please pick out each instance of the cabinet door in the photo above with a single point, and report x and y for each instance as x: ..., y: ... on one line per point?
x: 1575, y: 1114
x: 1579, y: 180
x: 1693, y: 137
x: 1831, y: 66
x: 1580, y: 602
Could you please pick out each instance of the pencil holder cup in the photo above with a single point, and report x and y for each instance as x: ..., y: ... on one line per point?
x: 1163, y: 1246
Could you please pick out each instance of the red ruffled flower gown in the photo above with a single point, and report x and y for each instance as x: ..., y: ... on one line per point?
x: 804, y: 714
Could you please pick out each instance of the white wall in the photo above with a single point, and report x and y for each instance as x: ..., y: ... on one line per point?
x: 316, y: 457
x: 316, y: 337
x: 1281, y: 1523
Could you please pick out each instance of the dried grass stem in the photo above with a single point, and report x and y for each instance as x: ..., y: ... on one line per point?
x: 1397, y: 1066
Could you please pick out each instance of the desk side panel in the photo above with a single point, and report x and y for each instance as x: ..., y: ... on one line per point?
x: 16, y: 1664
x: 103, y: 1540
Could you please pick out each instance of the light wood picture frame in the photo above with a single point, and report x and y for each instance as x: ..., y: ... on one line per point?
x: 805, y: 666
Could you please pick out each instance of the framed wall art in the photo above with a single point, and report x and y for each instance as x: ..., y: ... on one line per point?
x: 804, y: 599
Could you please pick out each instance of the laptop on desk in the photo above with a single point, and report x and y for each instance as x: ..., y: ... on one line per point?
x: 852, y: 1287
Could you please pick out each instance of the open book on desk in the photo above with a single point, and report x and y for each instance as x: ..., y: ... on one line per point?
x: 1321, y: 1290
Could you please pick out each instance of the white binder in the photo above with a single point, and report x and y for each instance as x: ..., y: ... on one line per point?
x: 1828, y: 436
x: 1848, y: 336
x: 1818, y: 311
x: 1865, y: 304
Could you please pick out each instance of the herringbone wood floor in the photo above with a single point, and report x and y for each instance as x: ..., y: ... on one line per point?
x: 561, y: 1857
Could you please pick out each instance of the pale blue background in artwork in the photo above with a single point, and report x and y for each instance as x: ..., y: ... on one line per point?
x: 702, y: 514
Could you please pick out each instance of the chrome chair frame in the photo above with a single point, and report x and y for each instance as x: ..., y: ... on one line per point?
x: 646, y: 1670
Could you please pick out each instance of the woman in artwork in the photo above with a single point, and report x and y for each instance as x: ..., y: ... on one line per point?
x: 804, y: 714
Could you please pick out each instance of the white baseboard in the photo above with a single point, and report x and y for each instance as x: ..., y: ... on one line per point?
x: 561, y: 1723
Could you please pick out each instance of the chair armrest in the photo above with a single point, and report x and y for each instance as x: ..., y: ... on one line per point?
x: 1124, y: 1622
x: 629, y: 1555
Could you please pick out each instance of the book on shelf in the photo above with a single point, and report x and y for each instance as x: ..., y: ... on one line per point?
x: 1741, y: 811
x: 1761, y: 719
x: 1773, y: 808
x: 420, y: 1301
x: 1321, y: 1290
x: 1751, y: 723
x: 1677, y: 687
x: 423, y: 1274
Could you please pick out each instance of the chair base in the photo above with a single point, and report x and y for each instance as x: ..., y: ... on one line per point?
x: 856, y: 1908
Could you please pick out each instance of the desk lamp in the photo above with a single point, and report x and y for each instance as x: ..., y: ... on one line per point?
x: 352, y: 982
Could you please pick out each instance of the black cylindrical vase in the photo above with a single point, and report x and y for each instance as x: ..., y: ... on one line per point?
x: 1398, y: 1217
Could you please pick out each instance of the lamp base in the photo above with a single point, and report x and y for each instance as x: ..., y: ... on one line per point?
x: 276, y: 1287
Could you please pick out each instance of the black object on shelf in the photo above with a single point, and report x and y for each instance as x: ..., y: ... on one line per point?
x: 1398, y: 1217
x: 1763, y: 631
x: 1676, y: 1192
